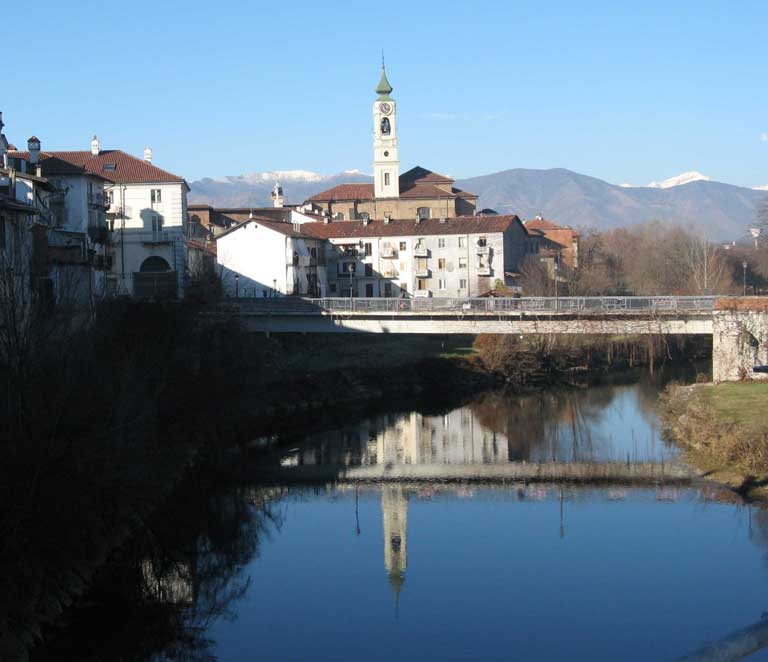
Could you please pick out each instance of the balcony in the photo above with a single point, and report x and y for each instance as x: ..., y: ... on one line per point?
x: 483, y: 250
x: 422, y: 294
x: 420, y: 251
x: 484, y: 271
x: 388, y: 252
x: 424, y: 272
x: 98, y: 200
x: 159, y: 237
x: 389, y: 273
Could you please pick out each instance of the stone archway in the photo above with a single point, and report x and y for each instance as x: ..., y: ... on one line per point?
x: 154, y: 264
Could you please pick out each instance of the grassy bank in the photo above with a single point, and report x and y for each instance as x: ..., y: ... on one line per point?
x: 724, y: 428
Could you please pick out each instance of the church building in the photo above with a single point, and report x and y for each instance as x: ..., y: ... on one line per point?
x: 418, y: 193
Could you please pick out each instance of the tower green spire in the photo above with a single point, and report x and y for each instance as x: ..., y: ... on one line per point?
x: 383, y: 88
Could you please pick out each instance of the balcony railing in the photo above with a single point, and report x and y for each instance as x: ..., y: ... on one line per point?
x: 388, y: 252
x: 483, y: 271
x: 156, y: 237
x: 424, y: 272
x: 98, y: 200
x: 483, y: 250
x: 422, y: 294
x: 420, y: 251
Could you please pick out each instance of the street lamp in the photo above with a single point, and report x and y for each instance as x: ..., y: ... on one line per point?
x: 351, y: 270
x: 744, y: 268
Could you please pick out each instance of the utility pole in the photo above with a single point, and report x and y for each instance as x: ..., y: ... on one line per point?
x: 744, y: 267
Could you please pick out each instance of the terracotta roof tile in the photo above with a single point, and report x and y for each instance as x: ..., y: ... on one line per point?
x: 128, y: 169
x: 409, y: 227
x: 345, y: 192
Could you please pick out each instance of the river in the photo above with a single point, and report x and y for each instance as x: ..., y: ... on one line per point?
x: 402, y: 536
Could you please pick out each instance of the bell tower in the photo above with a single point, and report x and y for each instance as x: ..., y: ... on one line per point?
x: 386, y: 165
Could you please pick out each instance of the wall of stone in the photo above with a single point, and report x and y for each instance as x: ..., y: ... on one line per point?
x: 740, y: 342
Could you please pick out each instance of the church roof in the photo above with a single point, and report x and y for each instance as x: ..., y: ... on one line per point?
x: 383, y: 88
x: 409, y: 227
x: 419, y: 174
x: 417, y: 182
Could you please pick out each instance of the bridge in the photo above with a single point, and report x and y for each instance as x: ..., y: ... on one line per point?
x: 577, y: 473
x: 738, y: 325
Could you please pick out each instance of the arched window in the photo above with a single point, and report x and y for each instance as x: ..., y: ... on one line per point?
x: 154, y: 264
x: 385, y: 127
x: 424, y: 212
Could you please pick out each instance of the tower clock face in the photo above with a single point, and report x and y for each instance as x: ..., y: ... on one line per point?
x: 385, y: 108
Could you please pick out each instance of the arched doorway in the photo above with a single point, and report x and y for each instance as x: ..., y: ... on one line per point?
x: 155, y: 279
x: 154, y: 264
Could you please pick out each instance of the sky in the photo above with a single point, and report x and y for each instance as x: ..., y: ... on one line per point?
x: 627, y: 92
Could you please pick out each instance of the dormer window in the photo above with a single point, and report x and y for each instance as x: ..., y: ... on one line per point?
x: 110, y: 167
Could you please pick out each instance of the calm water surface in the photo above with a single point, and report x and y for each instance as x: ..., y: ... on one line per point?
x: 317, y: 569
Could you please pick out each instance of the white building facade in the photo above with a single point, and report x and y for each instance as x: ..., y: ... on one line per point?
x: 454, y: 257
x: 265, y: 258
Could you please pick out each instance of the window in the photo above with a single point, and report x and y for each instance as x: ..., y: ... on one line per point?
x: 441, y: 284
x: 351, y: 211
x: 462, y: 242
x: 111, y: 197
x: 421, y: 284
x: 404, y: 287
x: 421, y: 264
x: 463, y: 284
x: 441, y: 242
x: 347, y: 268
x: 332, y: 287
x: 387, y: 289
x: 368, y: 269
x: 364, y: 216
x: 386, y: 179
x: 441, y: 263
x: 110, y: 167
x: 339, y: 215
x: 156, y: 195
x: 482, y: 241
x: 368, y: 249
x: 462, y: 263
x: 424, y: 212
x: 157, y: 222
x: 402, y: 246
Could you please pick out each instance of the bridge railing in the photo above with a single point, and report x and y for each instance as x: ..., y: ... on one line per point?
x: 606, y: 304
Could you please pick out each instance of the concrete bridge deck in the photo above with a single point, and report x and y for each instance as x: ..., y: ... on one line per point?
x: 738, y: 325
x: 635, y: 473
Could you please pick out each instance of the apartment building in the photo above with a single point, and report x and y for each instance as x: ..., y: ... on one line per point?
x: 449, y: 257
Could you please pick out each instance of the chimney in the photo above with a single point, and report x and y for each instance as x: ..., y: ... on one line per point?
x: 33, y: 146
x: 148, y: 154
x: 95, y: 146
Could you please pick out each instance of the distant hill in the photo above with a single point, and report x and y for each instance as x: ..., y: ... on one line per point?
x: 721, y: 211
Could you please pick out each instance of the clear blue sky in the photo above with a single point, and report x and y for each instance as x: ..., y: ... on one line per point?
x: 622, y: 91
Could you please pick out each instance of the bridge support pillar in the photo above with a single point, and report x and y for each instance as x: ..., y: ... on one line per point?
x: 739, y: 339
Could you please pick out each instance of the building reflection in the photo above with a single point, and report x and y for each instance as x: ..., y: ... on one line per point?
x: 394, y: 511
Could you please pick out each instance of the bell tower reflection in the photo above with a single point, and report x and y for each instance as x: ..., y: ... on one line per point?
x: 394, y: 509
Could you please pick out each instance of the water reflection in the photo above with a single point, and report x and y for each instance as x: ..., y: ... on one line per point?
x: 612, y: 423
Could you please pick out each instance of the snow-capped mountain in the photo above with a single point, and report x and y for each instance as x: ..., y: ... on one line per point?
x: 722, y: 211
x: 255, y: 188
x: 679, y: 180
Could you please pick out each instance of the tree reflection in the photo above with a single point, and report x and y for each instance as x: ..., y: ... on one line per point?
x: 161, y: 597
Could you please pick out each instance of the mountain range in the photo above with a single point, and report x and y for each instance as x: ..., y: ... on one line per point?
x: 722, y: 212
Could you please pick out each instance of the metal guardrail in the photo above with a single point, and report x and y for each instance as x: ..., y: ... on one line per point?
x: 660, y: 304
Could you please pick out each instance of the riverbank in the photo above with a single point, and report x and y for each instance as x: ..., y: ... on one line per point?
x: 724, y: 429
x: 148, y: 395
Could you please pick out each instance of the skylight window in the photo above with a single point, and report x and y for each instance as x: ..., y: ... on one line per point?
x: 110, y: 166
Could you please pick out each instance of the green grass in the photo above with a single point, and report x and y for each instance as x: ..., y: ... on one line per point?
x: 745, y: 403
